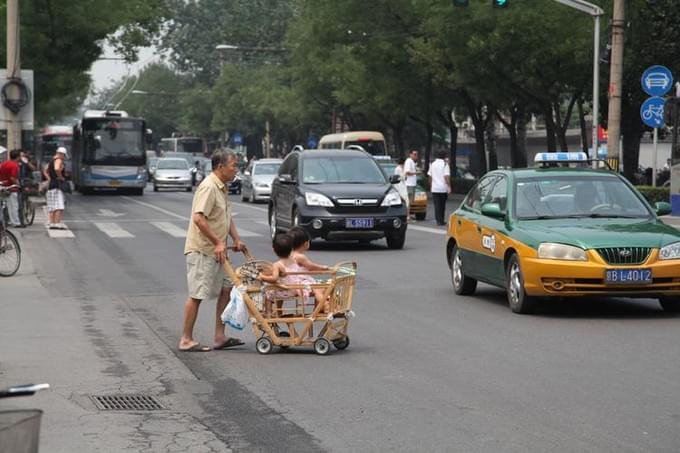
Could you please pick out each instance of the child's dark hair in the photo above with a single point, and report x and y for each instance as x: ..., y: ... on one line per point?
x: 299, y: 236
x: 283, y: 245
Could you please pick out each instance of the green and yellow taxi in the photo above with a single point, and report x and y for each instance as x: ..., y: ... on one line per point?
x: 563, y: 230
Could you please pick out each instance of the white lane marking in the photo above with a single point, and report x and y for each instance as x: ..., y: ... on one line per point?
x: 157, y: 208
x: 426, y: 229
x: 113, y: 230
x: 171, y: 229
x: 247, y: 234
x: 61, y: 234
x: 257, y: 208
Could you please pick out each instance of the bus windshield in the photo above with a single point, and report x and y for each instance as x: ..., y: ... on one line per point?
x: 190, y: 145
x: 372, y: 147
x: 113, y: 142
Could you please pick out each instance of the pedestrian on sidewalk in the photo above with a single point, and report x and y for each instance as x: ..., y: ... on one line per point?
x: 410, y: 171
x: 205, y: 250
x: 55, y: 190
x: 401, y: 187
x: 9, y: 176
x: 440, y: 185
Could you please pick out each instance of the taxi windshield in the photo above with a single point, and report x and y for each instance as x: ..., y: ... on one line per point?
x: 576, y: 197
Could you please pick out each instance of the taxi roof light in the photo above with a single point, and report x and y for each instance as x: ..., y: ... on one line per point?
x: 564, y: 157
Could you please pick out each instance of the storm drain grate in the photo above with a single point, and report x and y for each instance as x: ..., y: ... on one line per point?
x: 126, y: 403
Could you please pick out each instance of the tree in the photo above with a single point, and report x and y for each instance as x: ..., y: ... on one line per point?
x: 62, y: 38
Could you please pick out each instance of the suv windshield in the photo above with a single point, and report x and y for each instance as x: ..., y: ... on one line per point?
x: 573, y: 196
x: 266, y: 169
x: 341, y: 170
x: 172, y: 164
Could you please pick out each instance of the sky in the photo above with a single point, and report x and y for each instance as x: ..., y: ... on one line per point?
x: 106, y: 72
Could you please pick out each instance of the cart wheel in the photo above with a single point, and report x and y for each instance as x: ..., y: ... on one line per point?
x: 342, y: 344
x: 322, y: 346
x: 284, y: 335
x: 264, y: 345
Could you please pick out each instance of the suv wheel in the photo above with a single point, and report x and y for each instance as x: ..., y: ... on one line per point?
x: 396, y: 240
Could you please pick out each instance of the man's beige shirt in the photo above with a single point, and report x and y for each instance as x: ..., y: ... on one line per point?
x: 212, y: 200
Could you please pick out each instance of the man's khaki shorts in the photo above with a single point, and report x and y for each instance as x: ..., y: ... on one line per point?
x: 205, y: 276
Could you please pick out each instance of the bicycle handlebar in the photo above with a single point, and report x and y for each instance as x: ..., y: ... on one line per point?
x: 23, y: 390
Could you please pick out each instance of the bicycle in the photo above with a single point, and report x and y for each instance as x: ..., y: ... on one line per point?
x: 26, y: 206
x: 10, y: 250
x: 20, y: 428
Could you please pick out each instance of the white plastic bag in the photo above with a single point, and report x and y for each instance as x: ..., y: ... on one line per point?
x: 236, y: 313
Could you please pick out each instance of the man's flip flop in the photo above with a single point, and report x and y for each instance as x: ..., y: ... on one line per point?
x: 198, y: 347
x: 228, y: 344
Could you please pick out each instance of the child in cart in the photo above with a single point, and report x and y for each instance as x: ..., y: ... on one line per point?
x: 301, y: 243
x: 283, y: 248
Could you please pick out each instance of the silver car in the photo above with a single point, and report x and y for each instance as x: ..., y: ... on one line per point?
x: 257, y: 179
x: 172, y: 173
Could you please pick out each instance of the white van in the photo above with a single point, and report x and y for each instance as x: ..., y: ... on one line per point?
x: 371, y: 142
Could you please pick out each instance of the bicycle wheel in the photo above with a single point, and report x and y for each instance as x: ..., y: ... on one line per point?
x: 10, y: 254
x: 28, y: 212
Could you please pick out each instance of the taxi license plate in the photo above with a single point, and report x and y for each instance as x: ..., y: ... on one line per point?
x: 359, y: 223
x: 114, y: 183
x: 628, y: 276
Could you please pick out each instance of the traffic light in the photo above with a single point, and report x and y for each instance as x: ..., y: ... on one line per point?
x: 499, y: 3
x: 461, y: 3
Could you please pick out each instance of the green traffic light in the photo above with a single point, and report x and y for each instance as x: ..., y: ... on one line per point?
x: 500, y: 3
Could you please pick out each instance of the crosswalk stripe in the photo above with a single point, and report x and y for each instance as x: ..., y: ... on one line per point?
x: 247, y: 234
x: 61, y: 234
x: 113, y: 230
x: 172, y: 230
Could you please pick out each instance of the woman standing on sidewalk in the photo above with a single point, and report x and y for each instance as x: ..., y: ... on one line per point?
x: 55, y: 193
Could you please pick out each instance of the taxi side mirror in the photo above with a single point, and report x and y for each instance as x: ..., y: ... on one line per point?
x: 493, y: 210
x: 662, y: 208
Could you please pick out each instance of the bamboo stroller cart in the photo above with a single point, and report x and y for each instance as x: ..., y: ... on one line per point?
x: 272, y: 307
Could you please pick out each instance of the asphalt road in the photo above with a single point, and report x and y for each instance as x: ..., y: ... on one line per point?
x: 426, y: 370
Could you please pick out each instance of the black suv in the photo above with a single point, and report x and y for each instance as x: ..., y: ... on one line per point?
x: 337, y: 195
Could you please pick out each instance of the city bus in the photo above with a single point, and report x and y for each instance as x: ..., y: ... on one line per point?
x: 48, y: 140
x: 371, y: 142
x: 109, y: 152
x: 191, y: 145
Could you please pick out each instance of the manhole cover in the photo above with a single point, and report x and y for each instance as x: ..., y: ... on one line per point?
x: 126, y: 403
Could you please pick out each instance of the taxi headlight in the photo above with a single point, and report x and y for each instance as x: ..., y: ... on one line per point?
x: 551, y: 251
x: 670, y: 252
x: 316, y: 199
x: 391, y: 199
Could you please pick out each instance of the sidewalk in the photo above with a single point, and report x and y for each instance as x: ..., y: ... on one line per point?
x: 95, y: 346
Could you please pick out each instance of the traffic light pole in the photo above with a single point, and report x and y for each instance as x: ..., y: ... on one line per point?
x: 595, y: 12
x: 13, y: 72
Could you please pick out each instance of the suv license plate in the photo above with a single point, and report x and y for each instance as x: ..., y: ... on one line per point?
x: 359, y: 223
x: 628, y: 276
x: 114, y: 183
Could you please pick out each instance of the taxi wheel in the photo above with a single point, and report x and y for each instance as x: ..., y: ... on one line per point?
x: 519, y: 301
x: 670, y: 304
x: 462, y: 285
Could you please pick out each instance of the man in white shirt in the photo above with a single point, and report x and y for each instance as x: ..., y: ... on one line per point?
x: 440, y: 185
x: 410, y: 174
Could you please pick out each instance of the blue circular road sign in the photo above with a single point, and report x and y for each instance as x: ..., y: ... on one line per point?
x: 657, y: 80
x: 651, y: 112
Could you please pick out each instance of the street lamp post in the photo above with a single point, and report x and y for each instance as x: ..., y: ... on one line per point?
x: 595, y: 12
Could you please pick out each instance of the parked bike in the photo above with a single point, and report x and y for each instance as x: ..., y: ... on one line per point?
x: 10, y: 251
x: 20, y: 428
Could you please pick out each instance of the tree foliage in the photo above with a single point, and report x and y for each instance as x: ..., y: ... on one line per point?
x: 62, y: 38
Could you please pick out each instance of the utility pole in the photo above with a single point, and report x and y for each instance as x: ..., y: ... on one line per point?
x: 615, y: 81
x: 13, y: 72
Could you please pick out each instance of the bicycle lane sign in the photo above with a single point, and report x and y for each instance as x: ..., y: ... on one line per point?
x: 652, y: 110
